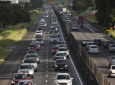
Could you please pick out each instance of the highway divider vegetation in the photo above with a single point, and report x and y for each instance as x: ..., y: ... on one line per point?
x: 12, y: 32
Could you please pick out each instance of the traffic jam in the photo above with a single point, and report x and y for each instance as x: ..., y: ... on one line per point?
x: 28, y: 67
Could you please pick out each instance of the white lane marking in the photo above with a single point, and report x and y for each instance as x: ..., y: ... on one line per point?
x: 47, y: 59
x: 46, y: 75
x: 46, y: 81
x: 71, y: 59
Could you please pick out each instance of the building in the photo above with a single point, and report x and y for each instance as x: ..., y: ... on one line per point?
x: 12, y: 1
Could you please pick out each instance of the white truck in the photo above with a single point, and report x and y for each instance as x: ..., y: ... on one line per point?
x: 64, y: 10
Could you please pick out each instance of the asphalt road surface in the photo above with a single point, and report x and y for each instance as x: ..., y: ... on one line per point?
x: 90, y: 32
x: 45, y: 73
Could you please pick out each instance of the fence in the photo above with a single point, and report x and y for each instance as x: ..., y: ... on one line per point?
x: 87, y: 63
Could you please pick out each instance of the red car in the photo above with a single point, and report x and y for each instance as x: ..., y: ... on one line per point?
x: 57, y: 57
x: 17, y: 77
x: 55, y: 48
x: 33, y: 46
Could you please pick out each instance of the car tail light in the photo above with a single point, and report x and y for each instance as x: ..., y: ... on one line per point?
x: 110, y: 71
x: 110, y: 60
x: 97, y: 48
x: 53, y: 51
x: 110, y: 46
x: 89, y: 48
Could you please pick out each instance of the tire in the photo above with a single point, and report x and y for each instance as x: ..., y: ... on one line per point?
x: 55, y: 69
x: 68, y: 56
x: 38, y: 62
x: 67, y: 69
x: 36, y: 70
x: 32, y: 77
x: 109, y: 76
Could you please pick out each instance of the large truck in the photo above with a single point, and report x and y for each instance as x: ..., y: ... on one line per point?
x: 64, y: 10
x: 80, y: 19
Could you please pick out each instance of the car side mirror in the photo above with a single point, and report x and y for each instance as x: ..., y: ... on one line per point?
x: 71, y: 78
x: 53, y: 78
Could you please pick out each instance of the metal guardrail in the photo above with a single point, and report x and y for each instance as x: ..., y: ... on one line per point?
x: 91, y: 69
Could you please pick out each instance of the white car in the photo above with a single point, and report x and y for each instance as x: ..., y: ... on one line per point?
x: 88, y: 44
x: 93, y: 49
x: 67, y: 19
x: 74, y: 27
x: 64, y: 50
x: 63, y: 79
x: 112, y: 48
x: 112, y: 71
x: 26, y: 82
x: 38, y: 33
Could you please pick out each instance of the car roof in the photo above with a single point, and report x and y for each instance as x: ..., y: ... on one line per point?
x: 93, y: 45
x: 90, y: 42
x: 62, y: 47
x: 19, y: 74
x: 62, y: 74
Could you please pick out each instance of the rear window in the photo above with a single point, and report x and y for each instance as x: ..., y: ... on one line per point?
x: 55, y: 47
x: 112, y: 57
x: 93, y: 46
x: 32, y: 45
x: 97, y: 40
x: 113, y: 67
x: 59, y: 42
x: 62, y: 49
x: 108, y: 42
x: 112, y: 45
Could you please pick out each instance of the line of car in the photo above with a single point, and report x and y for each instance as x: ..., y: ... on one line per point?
x: 92, y: 47
x: 31, y: 60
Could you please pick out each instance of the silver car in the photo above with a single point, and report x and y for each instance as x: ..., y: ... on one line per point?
x: 74, y: 27
x: 88, y: 44
x: 40, y: 41
x: 26, y: 68
x: 112, y: 48
x: 54, y: 38
x: 32, y: 62
x: 111, y: 60
x: 33, y: 56
x: 60, y: 43
x: 93, y: 49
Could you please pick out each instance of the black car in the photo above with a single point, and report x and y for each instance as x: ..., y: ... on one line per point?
x: 60, y: 64
x: 97, y: 41
x: 52, y: 29
x: 56, y: 32
x: 107, y: 43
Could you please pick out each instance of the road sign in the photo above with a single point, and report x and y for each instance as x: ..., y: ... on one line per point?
x: 111, y: 29
x: 60, y: 1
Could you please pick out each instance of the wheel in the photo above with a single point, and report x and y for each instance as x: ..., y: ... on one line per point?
x: 36, y: 70
x: 67, y: 69
x: 50, y: 42
x: 55, y: 69
x: 109, y: 76
x: 68, y: 56
x: 43, y: 44
x: 38, y: 62
x: 32, y: 77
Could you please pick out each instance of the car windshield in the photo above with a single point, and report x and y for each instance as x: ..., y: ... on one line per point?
x: 32, y: 51
x: 33, y: 55
x: 63, y: 77
x: 29, y: 61
x: 61, y: 61
x: 20, y: 77
x: 58, y: 58
x: 62, y: 49
x: 91, y: 44
x: 55, y: 47
x: 59, y: 42
x: 112, y: 45
x: 61, y: 45
x: 55, y: 31
x: 108, y: 42
x: 38, y: 32
x: 25, y: 67
x: 74, y: 26
x: 54, y: 36
x: 31, y: 45
x: 39, y: 39
x: 25, y: 83
x: 86, y: 40
x: 60, y: 54
x: 113, y: 67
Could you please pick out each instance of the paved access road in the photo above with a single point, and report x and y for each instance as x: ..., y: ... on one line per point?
x: 89, y: 32
x: 45, y: 73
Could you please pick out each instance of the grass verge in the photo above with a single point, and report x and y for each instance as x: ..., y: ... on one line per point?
x: 11, y: 35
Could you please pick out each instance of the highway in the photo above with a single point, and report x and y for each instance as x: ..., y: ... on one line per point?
x: 89, y: 32
x: 45, y: 73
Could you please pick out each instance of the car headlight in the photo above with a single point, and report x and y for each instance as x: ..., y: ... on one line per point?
x: 56, y: 65
x: 69, y: 82
x: 12, y: 82
x: 31, y: 72
x: 57, y: 82
x: 66, y: 65
x: 42, y: 41
x: 37, y: 59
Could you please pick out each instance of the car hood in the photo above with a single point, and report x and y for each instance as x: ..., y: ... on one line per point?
x: 25, y: 70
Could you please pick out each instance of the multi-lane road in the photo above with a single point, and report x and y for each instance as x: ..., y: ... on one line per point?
x: 90, y: 32
x: 45, y: 73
